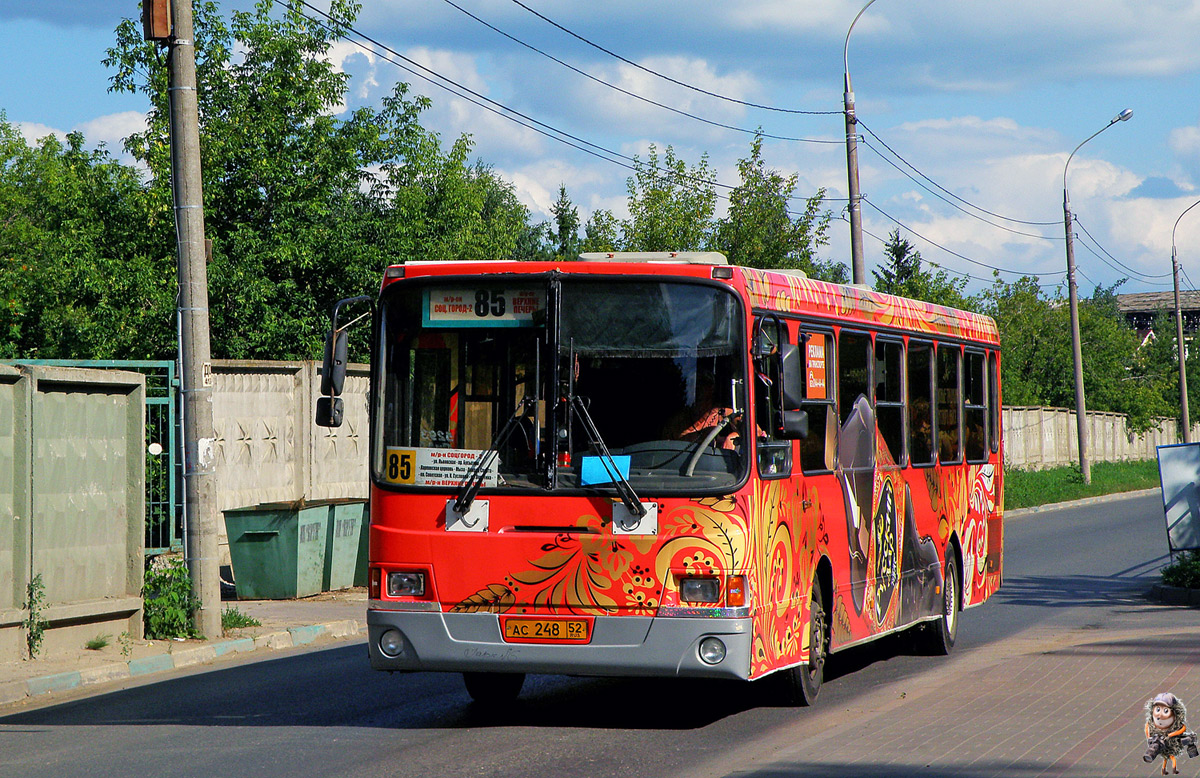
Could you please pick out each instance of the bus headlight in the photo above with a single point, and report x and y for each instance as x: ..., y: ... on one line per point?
x: 391, y: 643
x: 700, y: 590
x: 712, y: 650
x: 405, y: 584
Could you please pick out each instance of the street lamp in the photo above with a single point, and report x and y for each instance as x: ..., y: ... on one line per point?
x: 858, y: 265
x: 1183, y: 397
x: 1073, y: 296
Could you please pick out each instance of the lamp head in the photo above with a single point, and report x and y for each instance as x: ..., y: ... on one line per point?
x: 1123, y: 116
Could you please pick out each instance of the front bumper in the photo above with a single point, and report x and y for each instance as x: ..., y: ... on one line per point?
x: 620, y: 646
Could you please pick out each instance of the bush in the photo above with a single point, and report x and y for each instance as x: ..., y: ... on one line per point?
x: 1183, y: 571
x: 168, y: 600
x: 232, y: 618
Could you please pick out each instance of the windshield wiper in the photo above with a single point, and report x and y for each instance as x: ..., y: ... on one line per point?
x: 478, y: 472
x: 629, y: 497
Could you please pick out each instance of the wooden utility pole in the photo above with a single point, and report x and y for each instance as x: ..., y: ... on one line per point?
x: 195, y: 361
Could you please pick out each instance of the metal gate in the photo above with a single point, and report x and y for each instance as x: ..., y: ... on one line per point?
x: 164, y: 463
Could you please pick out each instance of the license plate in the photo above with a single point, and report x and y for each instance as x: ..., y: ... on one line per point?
x: 523, y: 630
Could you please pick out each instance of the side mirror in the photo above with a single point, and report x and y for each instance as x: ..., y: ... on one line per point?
x: 794, y: 425
x: 791, y: 376
x: 333, y: 368
x: 330, y: 411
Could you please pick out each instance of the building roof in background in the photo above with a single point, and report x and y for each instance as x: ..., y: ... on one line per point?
x: 1152, y: 302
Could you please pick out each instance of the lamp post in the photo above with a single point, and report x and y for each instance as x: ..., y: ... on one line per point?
x: 1183, y: 394
x: 1073, y: 296
x: 858, y: 265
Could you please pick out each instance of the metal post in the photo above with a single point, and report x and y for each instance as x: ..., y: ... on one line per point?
x: 1073, y: 297
x: 194, y: 357
x: 1076, y: 350
x: 857, y: 263
x: 1180, y: 343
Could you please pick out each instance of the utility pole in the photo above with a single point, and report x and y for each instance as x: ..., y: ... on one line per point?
x: 857, y: 262
x: 194, y: 352
x: 1180, y: 343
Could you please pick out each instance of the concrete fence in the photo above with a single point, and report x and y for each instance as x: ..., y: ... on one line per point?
x: 1037, y: 438
x: 72, y: 504
x: 269, y: 452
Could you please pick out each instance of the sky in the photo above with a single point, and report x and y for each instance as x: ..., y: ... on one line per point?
x: 968, y: 110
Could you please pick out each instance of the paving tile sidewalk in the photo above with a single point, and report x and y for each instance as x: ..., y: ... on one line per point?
x: 1076, y: 709
x: 283, y: 624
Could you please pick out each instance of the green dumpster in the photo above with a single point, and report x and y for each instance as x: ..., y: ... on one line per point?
x: 277, y: 553
x: 345, y: 546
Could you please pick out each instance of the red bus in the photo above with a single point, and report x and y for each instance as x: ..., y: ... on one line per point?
x: 664, y: 465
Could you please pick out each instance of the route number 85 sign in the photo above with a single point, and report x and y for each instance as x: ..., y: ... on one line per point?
x: 482, y: 307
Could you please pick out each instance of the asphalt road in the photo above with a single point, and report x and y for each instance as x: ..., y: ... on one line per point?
x: 323, y: 713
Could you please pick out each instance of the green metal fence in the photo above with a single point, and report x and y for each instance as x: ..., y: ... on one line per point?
x: 164, y: 461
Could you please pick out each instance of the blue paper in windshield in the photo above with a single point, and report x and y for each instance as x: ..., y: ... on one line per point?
x: 593, y: 471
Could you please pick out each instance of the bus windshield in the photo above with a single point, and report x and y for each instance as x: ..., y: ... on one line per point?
x: 574, y: 382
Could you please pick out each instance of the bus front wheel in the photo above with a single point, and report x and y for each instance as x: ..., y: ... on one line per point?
x: 493, y: 688
x: 802, y: 683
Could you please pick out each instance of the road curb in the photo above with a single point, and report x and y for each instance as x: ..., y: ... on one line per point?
x: 16, y: 691
x: 1175, y: 595
x: 1025, y: 512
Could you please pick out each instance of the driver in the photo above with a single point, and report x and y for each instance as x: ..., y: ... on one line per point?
x: 706, y: 414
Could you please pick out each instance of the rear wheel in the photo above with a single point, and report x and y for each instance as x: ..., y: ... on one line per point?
x: 802, y: 683
x: 939, y: 635
x: 493, y: 688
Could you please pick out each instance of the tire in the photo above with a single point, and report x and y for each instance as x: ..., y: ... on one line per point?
x: 802, y: 683
x: 491, y: 689
x: 939, y: 636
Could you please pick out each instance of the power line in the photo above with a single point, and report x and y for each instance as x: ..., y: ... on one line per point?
x: 947, y: 250
x: 953, y: 204
x: 677, y: 82
x: 581, y: 144
x: 635, y: 95
x: 1114, y: 259
x: 947, y: 191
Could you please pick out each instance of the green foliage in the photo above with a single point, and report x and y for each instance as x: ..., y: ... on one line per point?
x: 304, y: 207
x: 35, y: 625
x: 760, y: 231
x: 903, y: 275
x: 1037, y: 367
x: 602, y: 232
x: 1028, y: 488
x: 85, y: 263
x: 565, y: 232
x: 97, y: 643
x: 232, y: 618
x: 126, y: 642
x: 168, y: 601
x: 670, y: 205
x: 1184, y: 571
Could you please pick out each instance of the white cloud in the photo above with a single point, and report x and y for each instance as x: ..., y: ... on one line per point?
x: 33, y: 132
x: 113, y: 129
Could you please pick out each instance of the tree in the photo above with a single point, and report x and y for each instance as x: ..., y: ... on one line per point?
x: 1037, y: 366
x: 86, y: 265
x: 670, y: 205
x: 759, y: 230
x: 304, y: 207
x: 602, y: 232
x: 903, y: 275
x: 565, y: 232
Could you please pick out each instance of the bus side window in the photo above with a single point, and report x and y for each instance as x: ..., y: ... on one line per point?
x: 993, y: 402
x: 920, y: 403
x: 889, y: 395
x: 856, y: 438
x: 949, y: 419
x: 774, y: 454
x: 974, y: 405
x: 818, y: 450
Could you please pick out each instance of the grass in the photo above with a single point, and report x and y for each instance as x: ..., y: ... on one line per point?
x: 232, y: 618
x: 97, y: 643
x: 1027, y: 488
